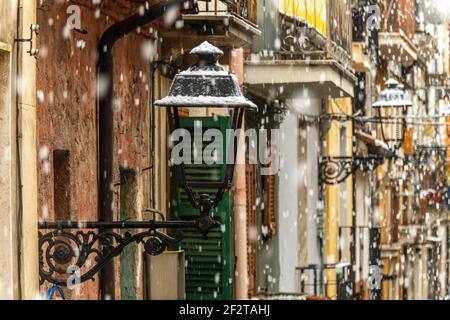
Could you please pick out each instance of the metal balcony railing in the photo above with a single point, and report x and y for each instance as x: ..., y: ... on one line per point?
x: 312, y: 280
x: 320, y: 29
x: 243, y: 9
x: 398, y: 16
x: 339, y: 21
x: 366, y: 20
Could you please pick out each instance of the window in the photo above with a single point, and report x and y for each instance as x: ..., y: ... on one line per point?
x: 395, y: 213
x: 61, y: 184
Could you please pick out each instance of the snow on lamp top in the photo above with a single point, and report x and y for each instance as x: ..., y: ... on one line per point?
x: 392, y: 96
x: 207, y: 52
x: 205, y: 84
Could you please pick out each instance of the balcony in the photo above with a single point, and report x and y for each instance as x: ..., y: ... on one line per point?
x: 313, y: 284
x: 313, y: 39
x: 397, y: 32
x: 283, y: 77
x: 322, y: 29
x: 225, y: 23
x: 397, y: 46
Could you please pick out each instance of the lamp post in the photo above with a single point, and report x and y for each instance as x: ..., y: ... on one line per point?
x: 68, y: 246
x: 392, y: 109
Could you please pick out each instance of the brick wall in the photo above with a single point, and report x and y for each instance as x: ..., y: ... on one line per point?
x: 66, y: 110
x: 399, y: 16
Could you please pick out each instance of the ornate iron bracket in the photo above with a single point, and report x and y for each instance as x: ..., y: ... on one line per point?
x: 73, y: 252
x: 335, y: 170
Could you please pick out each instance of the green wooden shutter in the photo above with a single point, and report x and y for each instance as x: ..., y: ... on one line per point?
x: 209, y: 262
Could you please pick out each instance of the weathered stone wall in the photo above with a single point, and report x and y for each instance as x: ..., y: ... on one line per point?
x: 8, y: 235
x: 67, y: 112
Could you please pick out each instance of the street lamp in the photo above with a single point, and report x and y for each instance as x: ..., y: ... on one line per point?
x: 391, y: 112
x: 67, y: 248
x: 206, y: 84
x: 392, y: 109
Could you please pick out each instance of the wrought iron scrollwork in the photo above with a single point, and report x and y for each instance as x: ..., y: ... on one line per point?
x: 335, y: 170
x: 244, y: 8
x: 60, y: 251
x: 76, y: 251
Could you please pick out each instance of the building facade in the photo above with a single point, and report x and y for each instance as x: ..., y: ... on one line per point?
x: 18, y: 185
x: 333, y: 213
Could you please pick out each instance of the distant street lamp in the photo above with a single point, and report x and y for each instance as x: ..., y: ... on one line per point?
x: 391, y: 112
x: 63, y: 253
x: 392, y: 109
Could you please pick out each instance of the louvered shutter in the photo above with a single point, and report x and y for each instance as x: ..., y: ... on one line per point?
x: 251, y: 226
x: 209, y: 262
x: 270, y: 205
x: 395, y: 212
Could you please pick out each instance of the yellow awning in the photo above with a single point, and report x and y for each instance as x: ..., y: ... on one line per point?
x: 313, y: 12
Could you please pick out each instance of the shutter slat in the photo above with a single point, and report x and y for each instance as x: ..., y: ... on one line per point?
x: 251, y: 226
x: 208, y: 261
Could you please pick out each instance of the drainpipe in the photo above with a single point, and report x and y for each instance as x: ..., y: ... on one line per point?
x: 331, y: 209
x: 27, y: 211
x: 240, y: 198
x: 105, y: 69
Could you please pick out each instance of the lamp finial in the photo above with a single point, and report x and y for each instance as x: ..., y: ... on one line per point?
x: 206, y: 53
